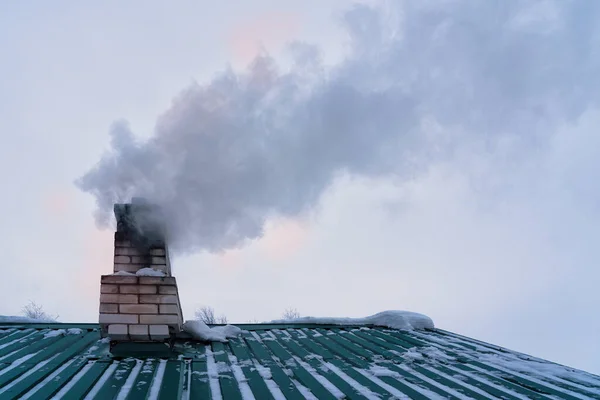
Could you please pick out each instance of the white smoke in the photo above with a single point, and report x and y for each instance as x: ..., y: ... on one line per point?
x: 420, y: 79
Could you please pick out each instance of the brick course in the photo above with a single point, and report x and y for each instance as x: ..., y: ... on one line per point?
x: 140, y: 260
x: 157, y: 280
x: 119, y: 298
x: 159, y: 299
x: 126, y: 251
x: 138, y: 309
x: 166, y: 319
x: 138, y: 289
x: 118, y: 319
x: 119, y: 279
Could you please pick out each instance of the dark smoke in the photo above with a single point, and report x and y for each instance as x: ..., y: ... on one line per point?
x: 420, y: 77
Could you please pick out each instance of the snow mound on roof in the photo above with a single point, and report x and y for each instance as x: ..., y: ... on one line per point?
x: 63, y: 332
x: 23, y: 320
x: 404, y: 320
x: 200, y: 331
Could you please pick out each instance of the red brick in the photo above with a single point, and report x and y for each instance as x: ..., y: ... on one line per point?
x: 159, y: 261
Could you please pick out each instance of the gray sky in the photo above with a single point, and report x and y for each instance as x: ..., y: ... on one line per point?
x: 494, y: 240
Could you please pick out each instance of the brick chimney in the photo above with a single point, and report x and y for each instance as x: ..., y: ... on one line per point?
x: 139, y: 308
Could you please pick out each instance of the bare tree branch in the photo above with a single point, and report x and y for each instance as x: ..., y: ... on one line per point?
x: 36, y: 311
x: 207, y: 315
x: 290, y: 313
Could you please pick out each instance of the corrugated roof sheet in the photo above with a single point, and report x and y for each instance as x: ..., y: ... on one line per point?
x: 281, y: 362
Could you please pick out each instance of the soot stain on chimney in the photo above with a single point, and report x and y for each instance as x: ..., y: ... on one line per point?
x: 141, y: 224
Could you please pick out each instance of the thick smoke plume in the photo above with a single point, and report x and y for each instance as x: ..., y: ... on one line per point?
x: 419, y: 78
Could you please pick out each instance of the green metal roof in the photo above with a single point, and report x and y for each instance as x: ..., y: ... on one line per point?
x: 280, y: 362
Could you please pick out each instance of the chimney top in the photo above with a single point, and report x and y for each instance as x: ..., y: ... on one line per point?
x: 139, y: 200
x: 141, y: 222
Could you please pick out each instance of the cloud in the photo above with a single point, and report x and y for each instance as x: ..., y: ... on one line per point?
x: 283, y: 238
x: 422, y: 80
x: 269, y: 30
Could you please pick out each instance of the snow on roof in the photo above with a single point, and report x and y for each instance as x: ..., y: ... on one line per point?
x: 200, y: 331
x: 404, y: 320
x: 285, y: 361
x: 394, y: 319
x: 22, y: 320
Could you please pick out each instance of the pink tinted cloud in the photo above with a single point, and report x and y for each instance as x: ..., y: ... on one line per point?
x: 230, y: 258
x: 283, y: 238
x: 56, y: 203
x: 271, y: 30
